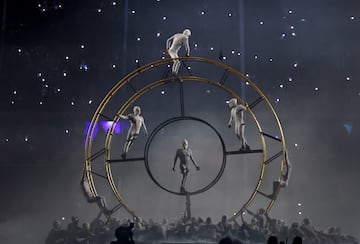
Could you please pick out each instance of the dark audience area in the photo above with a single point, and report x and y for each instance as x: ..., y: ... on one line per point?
x: 261, y: 229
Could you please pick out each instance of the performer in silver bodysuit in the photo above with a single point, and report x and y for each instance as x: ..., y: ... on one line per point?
x: 237, y: 115
x: 136, y: 123
x: 173, y: 45
x: 184, y: 155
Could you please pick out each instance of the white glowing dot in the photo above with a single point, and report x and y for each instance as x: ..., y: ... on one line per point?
x: 188, y: 68
x: 39, y: 5
x: 293, y: 34
x: 299, y: 204
x: 72, y: 103
x: 162, y: 92
x: 208, y: 91
x: 133, y: 12
x: 82, y: 46
x: 347, y: 78
x: 202, y: 12
x: 162, y: 57
x: 352, y: 17
x: 152, y: 66
x: 295, y: 65
x: 316, y: 88
x: 255, y: 57
x: 247, y: 75
x: 114, y: 66
x: 277, y: 100
x: 281, y: 85
x: 67, y: 57
x: 63, y: 218
x: 7, y: 139
x: 295, y: 144
x: 211, y: 48
x: 39, y: 74
x: 229, y: 14
x: 270, y: 59
x: 195, y: 44
x: 302, y: 20
x: 58, y: 90
x: 168, y: 65
x: 67, y: 131
x: 19, y: 50
x: 261, y: 22
x: 64, y: 74
x: 43, y: 79
x: 90, y: 101
x: 113, y: 3
x: 290, y: 11
x: 43, y: 9
x: 40, y: 103
x: 224, y: 57
x: 136, y: 60
x: 292, y: 27
x: 300, y: 213
x: 283, y: 35
x: 14, y: 92
x: 227, y: 102
x: 232, y: 51
x: 26, y: 139
x: 138, y: 39
x: 289, y: 79
x: 13, y: 102
x: 46, y: 85
x: 164, y: 18
x: 247, y: 83
x: 238, y: 53
x: 99, y: 10
x: 158, y: 34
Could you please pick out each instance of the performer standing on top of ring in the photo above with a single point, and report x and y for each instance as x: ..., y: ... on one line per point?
x: 173, y: 45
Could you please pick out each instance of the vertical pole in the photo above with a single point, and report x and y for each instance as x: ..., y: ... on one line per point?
x: 187, y: 215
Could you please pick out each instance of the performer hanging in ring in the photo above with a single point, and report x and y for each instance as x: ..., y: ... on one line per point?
x: 237, y: 115
x: 136, y: 122
x: 173, y: 45
x: 184, y: 155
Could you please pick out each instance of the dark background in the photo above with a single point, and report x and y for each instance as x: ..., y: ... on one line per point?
x: 302, y: 54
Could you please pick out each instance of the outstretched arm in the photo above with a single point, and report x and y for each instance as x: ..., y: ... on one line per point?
x: 242, y: 107
x: 187, y: 47
x: 230, y: 120
x: 194, y: 162
x: 144, y: 127
x: 175, y: 160
x: 123, y: 117
x: 168, y: 42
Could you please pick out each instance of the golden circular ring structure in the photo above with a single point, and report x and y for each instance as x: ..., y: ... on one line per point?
x: 183, y: 79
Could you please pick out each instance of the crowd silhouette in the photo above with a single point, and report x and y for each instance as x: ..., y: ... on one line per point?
x: 261, y: 229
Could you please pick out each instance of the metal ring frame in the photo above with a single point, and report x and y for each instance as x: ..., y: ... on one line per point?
x: 149, y: 87
x: 170, y: 121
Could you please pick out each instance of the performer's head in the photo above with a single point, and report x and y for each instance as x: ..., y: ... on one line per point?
x: 232, y: 102
x: 187, y: 32
x: 75, y: 219
x: 136, y: 110
x: 185, y: 144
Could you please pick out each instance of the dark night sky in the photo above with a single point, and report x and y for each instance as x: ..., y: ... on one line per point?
x: 302, y: 54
